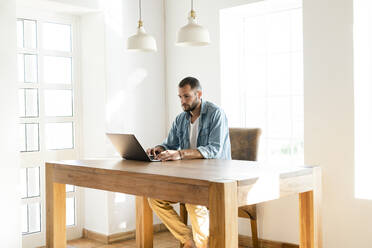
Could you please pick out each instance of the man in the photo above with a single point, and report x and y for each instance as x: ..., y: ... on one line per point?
x: 201, y: 131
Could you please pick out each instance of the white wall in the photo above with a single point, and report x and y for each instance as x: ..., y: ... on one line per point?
x: 131, y: 86
x: 10, y: 230
x: 93, y: 88
x: 135, y: 88
x: 329, y: 120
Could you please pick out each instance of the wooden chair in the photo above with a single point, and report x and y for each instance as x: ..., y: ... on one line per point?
x: 244, y: 146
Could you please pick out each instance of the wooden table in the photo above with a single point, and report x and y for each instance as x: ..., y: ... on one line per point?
x: 222, y: 185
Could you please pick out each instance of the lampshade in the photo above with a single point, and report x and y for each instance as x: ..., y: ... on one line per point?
x: 193, y: 34
x: 141, y: 41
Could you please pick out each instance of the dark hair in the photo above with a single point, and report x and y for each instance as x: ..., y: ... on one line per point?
x: 193, y: 82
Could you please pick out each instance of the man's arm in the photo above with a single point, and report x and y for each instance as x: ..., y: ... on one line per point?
x: 172, y: 142
x: 179, y: 154
x: 219, y: 132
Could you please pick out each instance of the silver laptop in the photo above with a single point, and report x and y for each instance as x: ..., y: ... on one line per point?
x: 128, y: 147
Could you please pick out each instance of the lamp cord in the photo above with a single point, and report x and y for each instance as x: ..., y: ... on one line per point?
x: 140, y: 10
x: 192, y: 4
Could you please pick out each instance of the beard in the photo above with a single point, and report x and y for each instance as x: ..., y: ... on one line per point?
x: 189, y: 108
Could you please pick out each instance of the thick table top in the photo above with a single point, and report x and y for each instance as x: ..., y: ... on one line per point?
x: 202, y: 170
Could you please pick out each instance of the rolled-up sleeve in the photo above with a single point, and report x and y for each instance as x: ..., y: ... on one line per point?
x: 217, y: 136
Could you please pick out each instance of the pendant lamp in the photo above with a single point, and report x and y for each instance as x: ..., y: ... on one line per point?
x: 141, y: 41
x: 193, y: 34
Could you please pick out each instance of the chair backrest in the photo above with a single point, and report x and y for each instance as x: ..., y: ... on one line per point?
x: 244, y: 143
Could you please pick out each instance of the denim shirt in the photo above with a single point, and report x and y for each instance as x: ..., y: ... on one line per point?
x: 213, y: 133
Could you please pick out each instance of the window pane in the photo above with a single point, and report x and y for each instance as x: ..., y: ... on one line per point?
x: 29, y: 34
x: 31, y: 102
x: 279, y: 151
x: 30, y: 68
x: 59, y: 135
x: 21, y: 103
x: 21, y: 68
x: 34, y: 215
x: 70, y: 188
x: 279, y: 117
x: 23, y: 182
x: 70, y: 211
x: 58, y: 102
x: 32, y: 137
x: 20, y: 33
x: 279, y: 74
x: 57, y: 70
x: 24, y: 219
x: 33, y: 181
x: 57, y: 37
x: 22, y: 137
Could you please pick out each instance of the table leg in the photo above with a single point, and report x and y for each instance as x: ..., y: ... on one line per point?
x: 223, y: 215
x: 306, y: 219
x: 55, y: 195
x: 144, y: 223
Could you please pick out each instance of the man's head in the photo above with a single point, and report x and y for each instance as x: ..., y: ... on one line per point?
x: 190, y: 93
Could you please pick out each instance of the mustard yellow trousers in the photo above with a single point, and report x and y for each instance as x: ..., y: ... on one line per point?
x: 199, y: 218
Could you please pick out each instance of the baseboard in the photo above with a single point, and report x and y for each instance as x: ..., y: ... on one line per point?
x: 246, y: 241
x: 116, y: 237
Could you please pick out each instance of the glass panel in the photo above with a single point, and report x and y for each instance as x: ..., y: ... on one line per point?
x: 20, y: 33
x: 57, y: 37
x: 279, y: 117
x: 58, y: 102
x: 29, y: 34
x: 32, y: 137
x: 30, y: 70
x: 24, y: 219
x: 57, y: 70
x: 21, y: 103
x: 296, y: 29
x: 256, y: 108
x: 279, y: 151
x: 22, y: 137
x: 33, y: 181
x: 23, y: 182
x: 31, y: 103
x: 70, y: 188
x: 34, y: 215
x: 21, y: 68
x: 70, y: 211
x: 59, y: 135
x: 279, y: 36
x: 297, y: 73
x: 279, y: 74
x: 298, y: 152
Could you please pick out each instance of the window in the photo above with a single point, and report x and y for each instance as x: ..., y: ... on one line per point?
x: 48, y: 115
x: 262, y: 75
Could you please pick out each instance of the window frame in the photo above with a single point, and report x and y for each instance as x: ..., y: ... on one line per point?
x: 30, y: 159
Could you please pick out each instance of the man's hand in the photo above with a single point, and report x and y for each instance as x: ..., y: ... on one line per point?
x: 169, y: 155
x: 155, y: 151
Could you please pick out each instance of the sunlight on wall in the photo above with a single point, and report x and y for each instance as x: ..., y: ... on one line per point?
x: 363, y: 98
x: 117, y: 103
